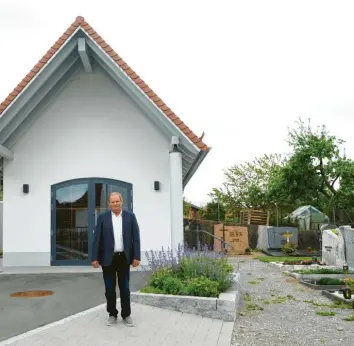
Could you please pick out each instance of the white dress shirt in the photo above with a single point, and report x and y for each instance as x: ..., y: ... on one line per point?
x: 117, y: 222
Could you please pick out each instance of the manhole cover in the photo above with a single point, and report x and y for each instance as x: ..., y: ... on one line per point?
x: 31, y: 294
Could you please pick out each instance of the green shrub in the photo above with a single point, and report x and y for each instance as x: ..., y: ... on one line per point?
x: 173, y: 285
x: 349, y: 318
x: 203, y: 287
x: 288, y: 248
x: 158, y: 279
x: 319, y: 271
x: 325, y: 313
x: 267, y: 259
x: 330, y: 281
x: 214, y: 269
x: 190, y: 273
x: 150, y: 289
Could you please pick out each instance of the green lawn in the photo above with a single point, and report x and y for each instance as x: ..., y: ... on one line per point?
x: 268, y: 259
x: 320, y: 271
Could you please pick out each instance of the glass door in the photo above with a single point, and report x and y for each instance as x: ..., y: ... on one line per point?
x: 75, y: 207
x: 102, y: 190
x: 71, y: 223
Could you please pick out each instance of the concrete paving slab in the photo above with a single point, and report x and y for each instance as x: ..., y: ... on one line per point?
x: 56, y: 269
x: 153, y: 326
x: 73, y: 292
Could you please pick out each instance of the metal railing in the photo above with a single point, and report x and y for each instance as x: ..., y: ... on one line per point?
x: 222, y: 241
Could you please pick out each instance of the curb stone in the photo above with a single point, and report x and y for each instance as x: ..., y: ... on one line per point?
x: 225, y: 307
x: 337, y: 297
x: 318, y: 276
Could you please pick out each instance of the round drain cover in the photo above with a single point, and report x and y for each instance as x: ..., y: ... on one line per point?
x: 31, y: 294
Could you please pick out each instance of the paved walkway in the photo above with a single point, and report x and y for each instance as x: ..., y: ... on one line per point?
x: 153, y: 326
x: 73, y: 293
x: 55, y: 269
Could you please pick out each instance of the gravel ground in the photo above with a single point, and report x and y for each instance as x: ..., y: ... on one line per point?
x: 285, y: 319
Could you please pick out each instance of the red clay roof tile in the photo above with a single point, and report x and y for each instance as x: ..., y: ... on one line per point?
x: 80, y: 21
x: 171, y: 115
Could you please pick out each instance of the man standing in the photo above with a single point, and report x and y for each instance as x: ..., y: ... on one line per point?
x: 116, y: 246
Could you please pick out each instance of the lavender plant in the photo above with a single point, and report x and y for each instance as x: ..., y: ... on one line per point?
x: 206, y: 271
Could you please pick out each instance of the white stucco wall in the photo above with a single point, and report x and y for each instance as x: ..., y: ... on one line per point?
x: 92, y: 129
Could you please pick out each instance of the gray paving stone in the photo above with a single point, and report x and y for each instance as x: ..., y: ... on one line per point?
x: 153, y: 326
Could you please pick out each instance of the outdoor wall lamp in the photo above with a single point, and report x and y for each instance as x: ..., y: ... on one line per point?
x: 156, y: 185
x: 25, y: 188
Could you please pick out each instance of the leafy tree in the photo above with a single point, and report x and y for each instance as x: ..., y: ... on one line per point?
x: 213, y: 210
x: 247, y: 185
x: 317, y: 172
x: 186, y: 207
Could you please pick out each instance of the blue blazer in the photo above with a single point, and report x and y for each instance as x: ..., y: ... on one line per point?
x: 103, y: 244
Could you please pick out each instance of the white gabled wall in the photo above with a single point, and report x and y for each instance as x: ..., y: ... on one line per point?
x: 92, y: 129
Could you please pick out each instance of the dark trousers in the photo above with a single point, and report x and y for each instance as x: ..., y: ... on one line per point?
x: 118, y: 269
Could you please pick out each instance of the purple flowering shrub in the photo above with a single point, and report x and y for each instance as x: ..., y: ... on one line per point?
x: 188, y: 272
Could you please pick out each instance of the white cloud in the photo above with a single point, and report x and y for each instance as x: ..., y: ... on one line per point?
x: 242, y: 71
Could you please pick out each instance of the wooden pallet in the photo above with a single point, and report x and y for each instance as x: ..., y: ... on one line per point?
x: 254, y: 217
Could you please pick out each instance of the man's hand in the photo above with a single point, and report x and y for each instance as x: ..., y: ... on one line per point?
x: 95, y: 264
x: 135, y: 263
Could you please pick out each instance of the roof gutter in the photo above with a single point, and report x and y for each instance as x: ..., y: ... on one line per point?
x: 197, y: 162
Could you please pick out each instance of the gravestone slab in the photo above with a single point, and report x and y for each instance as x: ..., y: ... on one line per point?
x: 262, y: 242
x: 348, y: 235
x: 333, y: 247
x: 237, y: 236
x: 270, y: 237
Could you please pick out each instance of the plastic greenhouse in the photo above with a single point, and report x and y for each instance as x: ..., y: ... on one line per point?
x: 308, y: 218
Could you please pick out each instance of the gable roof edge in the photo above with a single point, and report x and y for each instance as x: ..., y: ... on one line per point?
x: 144, y: 88
x: 35, y: 72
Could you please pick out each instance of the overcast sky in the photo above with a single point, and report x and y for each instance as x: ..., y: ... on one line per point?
x: 242, y: 71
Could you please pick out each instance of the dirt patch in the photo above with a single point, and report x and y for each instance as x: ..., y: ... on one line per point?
x: 244, y: 257
x: 292, y: 280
